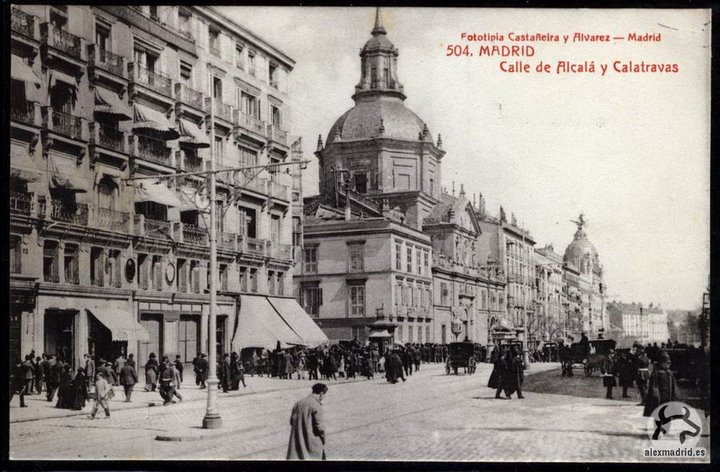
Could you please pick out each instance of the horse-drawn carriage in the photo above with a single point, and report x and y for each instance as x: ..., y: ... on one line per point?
x: 589, y: 355
x: 461, y: 355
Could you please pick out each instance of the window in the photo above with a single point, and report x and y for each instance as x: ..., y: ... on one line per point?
x: 398, y: 256
x: 398, y: 293
x: 106, y: 193
x: 275, y: 228
x: 222, y: 274
x: 62, y: 99
x: 50, y: 261
x: 253, y: 280
x: 275, y: 116
x: 483, y: 300
x: 357, y: 300
x: 146, y: 60
x: 186, y: 74
x: 357, y: 257
x: 154, y: 12
x: 113, y: 269
x: 361, y: 182
x: 240, y: 56
x: 357, y: 332
x: 249, y: 104
x: 182, y: 275
x: 418, y: 296
x: 418, y: 261
x: 195, y: 276
x: 271, y: 282
x: 152, y: 210
x: 409, y: 259
x: 102, y: 39
x: 311, y: 299
x: 214, y: 37
x: 58, y: 16
x: 72, y: 269
x: 400, y: 334
x: 273, y: 75
x: 251, y: 63
x: 427, y: 334
x: 97, y: 256
x: 243, y: 279
x: 280, y: 283
x: 419, y: 338
x: 311, y: 264
x: 248, y: 157
x: 219, y: 149
x: 15, y: 254
x: 410, y: 333
x: 248, y: 222
x: 426, y: 263
x: 157, y: 273
x: 408, y: 295
x: 501, y: 303
x: 432, y: 187
x: 444, y: 294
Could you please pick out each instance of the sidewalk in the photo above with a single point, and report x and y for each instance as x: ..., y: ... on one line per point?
x: 39, y: 408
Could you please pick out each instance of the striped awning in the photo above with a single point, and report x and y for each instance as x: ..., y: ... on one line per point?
x: 23, y: 166
x: 19, y: 70
x: 110, y: 105
x: 147, y: 191
x: 191, y: 135
x: 153, y: 123
x: 65, y: 173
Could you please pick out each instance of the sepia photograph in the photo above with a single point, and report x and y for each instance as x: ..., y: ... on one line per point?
x: 358, y: 234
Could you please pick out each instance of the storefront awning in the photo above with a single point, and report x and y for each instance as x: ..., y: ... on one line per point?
x: 191, y: 135
x: 153, y: 123
x: 23, y: 166
x: 120, y: 323
x: 21, y: 71
x: 259, y: 325
x: 66, y: 174
x: 294, y: 315
x: 111, y: 106
x: 156, y: 192
x: 380, y: 333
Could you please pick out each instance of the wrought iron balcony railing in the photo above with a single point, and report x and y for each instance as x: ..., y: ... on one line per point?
x: 24, y: 111
x: 106, y: 60
x: 153, y: 149
x: 228, y: 241
x: 153, y: 80
x: 254, y: 246
x: 76, y: 214
x: 194, y: 235
x: 21, y: 202
x: 62, y: 40
x: 108, y: 137
x: 188, y: 96
x: 111, y: 219
x: 22, y: 23
x: 63, y: 123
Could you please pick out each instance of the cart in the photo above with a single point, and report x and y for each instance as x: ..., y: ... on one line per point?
x: 461, y: 355
x: 591, y: 355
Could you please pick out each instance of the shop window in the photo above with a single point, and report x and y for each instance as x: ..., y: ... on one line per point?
x: 72, y: 269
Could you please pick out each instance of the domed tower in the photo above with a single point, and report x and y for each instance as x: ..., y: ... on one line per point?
x: 581, y: 253
x: 380, y: 148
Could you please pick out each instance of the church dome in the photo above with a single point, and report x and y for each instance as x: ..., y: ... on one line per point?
x: 365, y: 119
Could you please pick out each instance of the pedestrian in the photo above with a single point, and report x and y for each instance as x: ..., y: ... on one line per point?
x: 89, y: 368
x: 37, y: 366
x: 307, y: 426
x: 79, y: 390
x: 237, y: 373
x: 64, y: 388
x: 201, y: 371
x: 111, y: 376
x: 662, y: 386
x: 417, y: 357
x: 225, y: 373
x: 179, y: 367
x: 514, y: 375
x: 289, y: 365
x: 117, y: 367
x: 609, y: 369
x: 627, y: 370
x: 167, y: 383
x: 643, y: 373
x: 301, y: 366
x: 151, y: 373
x: 497, y: 377
x: 331, y: 367
x: 18, y: 384
x: 45, y: 369
x: 128, y: 379
x: 55, y: 369
x: 194, y: 363
x: 103, y: 394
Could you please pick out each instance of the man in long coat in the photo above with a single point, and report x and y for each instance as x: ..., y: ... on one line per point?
x: 307, y: 433
x: 662, y: 386
x: 514, y: 375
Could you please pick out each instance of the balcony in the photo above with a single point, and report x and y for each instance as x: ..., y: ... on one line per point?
x: 229, y: 241
x: 150, y: 228
x: 74, y: 214
x: 58, y: 44
x: 152, y: 84
x: 108, y: 137
x: 189, y: 100
x: 112, y: 220
x: 280, y: 251
x: 254, y: 246
x: 22, y: 23
x: 257, y: 184
x: 64, y: 124
x: 21, y: 202
x: 277, y: 137
x: 151, y: 149
x: 26, y: 112
x: 223, y: 113
x: 250, y: 127
x: 106, y: 66
x: 192, y: 234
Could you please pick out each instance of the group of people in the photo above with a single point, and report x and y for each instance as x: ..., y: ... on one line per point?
x: 508, y: 372
x: 649, y: 368
x: 52, y: 375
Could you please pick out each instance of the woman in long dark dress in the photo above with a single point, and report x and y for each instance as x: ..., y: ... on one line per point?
x: 64, y: 389
x: 151, y: 373
x: 497, y: 377
x: 79, y: 390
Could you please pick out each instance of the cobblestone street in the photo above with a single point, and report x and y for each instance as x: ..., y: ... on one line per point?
x: 432, y: 416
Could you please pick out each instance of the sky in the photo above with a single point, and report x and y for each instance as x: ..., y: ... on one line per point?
x: 629, y: 150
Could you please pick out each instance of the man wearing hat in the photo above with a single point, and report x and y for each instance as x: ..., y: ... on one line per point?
x: 307, y: 427
x: 643, y: 372
x: 662, y: 387
x: 608, y: 368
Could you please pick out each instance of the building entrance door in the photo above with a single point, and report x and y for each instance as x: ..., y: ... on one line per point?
x: 59, y: 334
x: 153, y: 323
x: 188, y: 337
